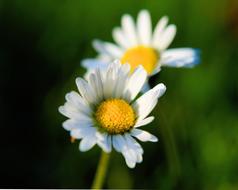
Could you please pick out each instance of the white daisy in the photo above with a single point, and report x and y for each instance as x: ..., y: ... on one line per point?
x: 106, y: 113
x: 136, y: 44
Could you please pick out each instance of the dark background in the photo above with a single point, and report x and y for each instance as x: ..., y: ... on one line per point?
x: 41, y: 45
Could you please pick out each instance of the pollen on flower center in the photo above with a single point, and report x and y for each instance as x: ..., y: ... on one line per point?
x: 115, y: 116
x: 141, y: 55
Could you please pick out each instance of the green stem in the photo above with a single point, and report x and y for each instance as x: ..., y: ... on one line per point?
x: 101, y: 171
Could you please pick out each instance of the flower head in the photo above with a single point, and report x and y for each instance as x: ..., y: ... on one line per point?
x: 105, y: 111
x: 136, y: 44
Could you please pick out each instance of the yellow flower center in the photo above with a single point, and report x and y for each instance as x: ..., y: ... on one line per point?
x: 115, y: 116
x: 141, y: 55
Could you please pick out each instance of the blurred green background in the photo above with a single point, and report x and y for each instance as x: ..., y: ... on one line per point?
x: 41, y: 46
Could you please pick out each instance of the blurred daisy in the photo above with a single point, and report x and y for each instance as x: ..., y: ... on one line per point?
x: 136, y: 44
x: 106, y: 113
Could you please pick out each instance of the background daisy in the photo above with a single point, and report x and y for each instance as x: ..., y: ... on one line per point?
x: 137, y: 44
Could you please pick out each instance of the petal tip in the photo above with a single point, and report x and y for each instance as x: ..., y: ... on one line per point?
x: 144, y: 11
x: 154, y: 139
x: 162, y: 87
x: 61, y: 109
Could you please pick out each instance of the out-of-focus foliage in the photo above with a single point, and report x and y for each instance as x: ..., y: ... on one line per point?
x: 42, y: 43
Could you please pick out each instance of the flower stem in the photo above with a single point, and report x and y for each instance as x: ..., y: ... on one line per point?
x: 101, y: 171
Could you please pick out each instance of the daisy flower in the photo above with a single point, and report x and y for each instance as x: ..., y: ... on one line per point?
x: 136, y: 44
x: 106, y: 112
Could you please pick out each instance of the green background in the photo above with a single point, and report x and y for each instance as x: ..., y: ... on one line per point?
x: 41, y: 46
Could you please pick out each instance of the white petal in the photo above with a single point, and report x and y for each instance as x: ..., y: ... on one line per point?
x: 82, y: 132
x: 76, y: 133
x: 120, y: 38
x: 78, y: 102
x: 113, y: 50
x: 85, y: 90
x: 109, y: 143
x: 134, y: 144
x: 159, y: 30
x: 102, y: 72
x: 104, y: 141
x: 133, y: 153
x: 129, y: 161
x: 129, y: 154
x: 159, y: 90
x: 143, y: 135
x: 130, y: 157
x: 95, y: 82
x: 180, y: 57
x: 128, y: 27
x: 145, y: 87
x: 167, y: 37
x: 118, y: 142
x: 123, y: 75
x: 139, y: 158
x: 71, y: 124
x: 144, y: 27
x: 110, y: 79
x: 157, y: 68
x: 144, y: 121
x: 87, y: 143
x: 146, y: 103
x: 91, y: 64
x: 107, y: 49
x: 71, y: 111
x: 135, y: 83
x: 109, y: 84
x: 129, y: 148
x: 137, y: 148
x: 99, y: 47
x: 104, y: 58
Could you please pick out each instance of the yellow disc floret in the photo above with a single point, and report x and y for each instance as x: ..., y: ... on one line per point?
x: 141, y: 55
x: 115, y: 116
